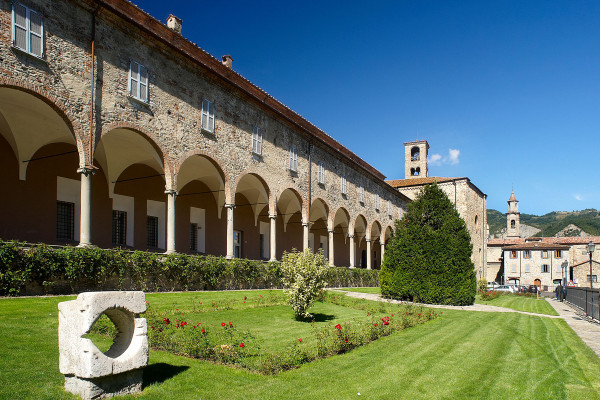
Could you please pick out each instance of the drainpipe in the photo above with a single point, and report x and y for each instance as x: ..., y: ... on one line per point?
x: 93, y: 86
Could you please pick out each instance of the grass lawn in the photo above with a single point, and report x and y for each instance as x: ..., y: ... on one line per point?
x: 459, y: 355
x: 375, y: 290
x: 520, y: 303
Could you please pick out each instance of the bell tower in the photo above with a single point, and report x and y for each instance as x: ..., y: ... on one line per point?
x: 415, y: 159
x: 513, y: 223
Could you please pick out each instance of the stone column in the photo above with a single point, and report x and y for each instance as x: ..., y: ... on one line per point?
x: 352, y: 252
x: 229, y: 208
x: 171, y: 195
x: 273, y: 239
x: 85, y: 219
x: 382, y: 251
x: 305, y: 235
x: 330, y: 248
x: 369, y: 255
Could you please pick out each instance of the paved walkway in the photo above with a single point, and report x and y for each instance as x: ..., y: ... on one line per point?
x: 588, y: 331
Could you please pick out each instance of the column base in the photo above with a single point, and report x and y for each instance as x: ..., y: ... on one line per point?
x: 99, y: 388
x: 85, y: 245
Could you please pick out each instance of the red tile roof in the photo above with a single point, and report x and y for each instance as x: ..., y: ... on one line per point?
x: 419, y: 181
x: 536, y: 246
x: 571, y: 240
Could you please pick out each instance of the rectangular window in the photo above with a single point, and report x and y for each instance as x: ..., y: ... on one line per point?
x: 545, y: 268
x: 28, y: 30
x: 293, y: 159
x: 343, y: 181
x: 513, y: 254
x: 237, y: 244
x: 527, y: 268
x: 544, y: 253
x: 138, y: 81
x: 119, y: 228
x: 208, y: 116
x: 376, y: 202
x: 526, y: 253
x: 193, y: 237
x: 594, y: 278
x: 514, y: 268
x: 152, y: 232
x: 362, y: 194
x: 558, y: 253
x: 65, y: 220
x: 321, y: 177
x: 257, y: 138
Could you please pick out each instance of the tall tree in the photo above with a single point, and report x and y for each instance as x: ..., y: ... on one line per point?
x: 428, y: 259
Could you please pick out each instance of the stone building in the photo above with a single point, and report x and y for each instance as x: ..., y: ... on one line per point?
x: 116, y: 131
x: 469, y: 200
x: 537, y: 260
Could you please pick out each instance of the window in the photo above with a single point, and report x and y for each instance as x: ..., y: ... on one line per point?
x: 415, y: 154
x: 28, y: 30
x: 343, y: 181
x: 544, y: 253
x: 545, y: 268
x: 237, y: 244
x: 377, y: 202
x: 594, y: 278
x: 193, y: 237
x: 526, y: 253
x: 527, y: 268
x: 362, y: 194
x: 417, y: 171
x: 390, y: 208
x: 513, y: 268
x: 208, y: 116
x: 138, y: 81
x: 65, y: 220
x: 152, y: 232
x: 513, y: 254
x: 558, y: 253
x: 321, y: 177
x: 513, y: 224
x: 257, y: 138
x: 119, y: 228
x: 293, y: 159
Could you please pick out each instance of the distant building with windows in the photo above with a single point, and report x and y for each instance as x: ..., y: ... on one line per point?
x: 539, y: 260
x: 468, y: 199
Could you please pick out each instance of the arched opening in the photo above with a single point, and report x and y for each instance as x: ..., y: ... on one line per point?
x: 318, y: 237
x: 415, y: 154
x: 412, y: 172
x: 341, y: 244
x: 417, y: 171
x: 513, y: 223
x: 200, y: 225
x: 360, y: 231
x: 132, y: 166
x: 251, y: 236
x: 289, y: 222
x: 375, y: 245
x: 39, y: 159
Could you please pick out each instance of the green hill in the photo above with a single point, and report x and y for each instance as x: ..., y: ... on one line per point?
x: 551, y: 223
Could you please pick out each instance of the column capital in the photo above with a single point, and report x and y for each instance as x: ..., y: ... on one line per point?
x: 87, y: 169
x: 273, y: 216
x: 232, y: 206
x: 368, y: 240
x: 331, y: 231
x: 351, y: 236
x: 305, y: 224
x: 171, y: 192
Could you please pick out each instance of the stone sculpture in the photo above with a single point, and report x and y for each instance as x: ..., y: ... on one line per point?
x: 89, y: 372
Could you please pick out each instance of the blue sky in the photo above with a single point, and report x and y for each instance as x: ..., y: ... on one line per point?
x: 507, y: 93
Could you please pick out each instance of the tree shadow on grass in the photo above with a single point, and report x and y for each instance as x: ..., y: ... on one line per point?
x: 160, y: 372
x: 317, y: 317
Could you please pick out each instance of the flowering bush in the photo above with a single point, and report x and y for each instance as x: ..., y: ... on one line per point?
x: 491, y: 295
x: 303, y: 276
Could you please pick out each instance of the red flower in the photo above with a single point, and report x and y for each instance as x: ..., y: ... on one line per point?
x: 245, y: 298
x: 222, y: 323
x: 386, y: 323
x: 183, y: 323
x: 338, y: 326
x: 300, y: 340
x: 392, y: 315
x: 230, y: 323
x: 346, y: 340
x: 202, y: 330
x: 375, y: 324
x: 152, y: 327
x: 242, y: 344
x: 167, y: 321
x: 419, y: 315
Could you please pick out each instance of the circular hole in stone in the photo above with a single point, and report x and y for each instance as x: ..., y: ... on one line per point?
x: 102, y: 333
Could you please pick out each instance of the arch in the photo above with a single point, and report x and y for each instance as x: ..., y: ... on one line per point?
x: 387, y: 234
x: 289, y: 202
x: 256, y: 191
x: 31, y: 118
x: 374, y: 231
x: 341, y: 218
x: 417, y: 171
x: 123, y: 145
x: 513, y: 223
x: 359, y: 227
x: 415, y: 153
x: 319, y: 209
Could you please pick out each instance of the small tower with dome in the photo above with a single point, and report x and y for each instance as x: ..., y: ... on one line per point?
x: 513, y: 223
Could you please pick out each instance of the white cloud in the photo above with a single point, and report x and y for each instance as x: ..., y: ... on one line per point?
x: 578, y: 197
x: 435, y: 159
x: 453, y: 156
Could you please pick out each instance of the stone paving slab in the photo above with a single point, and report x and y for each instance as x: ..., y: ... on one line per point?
x: 587, y: 330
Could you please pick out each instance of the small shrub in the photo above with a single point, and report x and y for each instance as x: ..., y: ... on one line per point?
x: 303, y: 276
x: 491, y: 295
x: 482, y: 285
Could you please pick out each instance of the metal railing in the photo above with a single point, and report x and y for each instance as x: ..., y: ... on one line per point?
x: 585, y: 299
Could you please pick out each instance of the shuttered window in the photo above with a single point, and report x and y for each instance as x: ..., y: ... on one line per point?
x: 208, y: 116
x: 293, y: 159
x: 377, y: 202
x: 343, y: 183
x: 28, y: 30
x: 257, y: 138
x: 138, y: 81
x: 362, y: 194
x: 321, y: 177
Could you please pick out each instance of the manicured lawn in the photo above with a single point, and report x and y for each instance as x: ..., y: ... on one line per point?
x: 462, y: 354
x: 520, y: 303
x: 375, y: 290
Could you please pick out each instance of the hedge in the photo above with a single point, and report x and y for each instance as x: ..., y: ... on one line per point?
x: 27, y: 269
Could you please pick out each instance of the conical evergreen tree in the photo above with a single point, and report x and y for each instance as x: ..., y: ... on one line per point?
x: 428, y: 259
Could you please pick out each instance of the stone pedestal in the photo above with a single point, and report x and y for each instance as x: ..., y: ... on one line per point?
x: 88, y: 372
